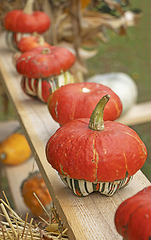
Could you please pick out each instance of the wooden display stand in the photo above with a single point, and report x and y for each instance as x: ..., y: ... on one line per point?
x: 87, y: 218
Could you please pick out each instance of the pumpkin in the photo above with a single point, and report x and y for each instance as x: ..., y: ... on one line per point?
x: 122, y: 84
x: 43, y: 68
x: 27, y: 43
x: 78, y: 100
x: 34, y: 183
x: 133, y: 216
x: 14, y: 149
x: 95, y: 155
x: 21, y: 23
x: 35, y: 40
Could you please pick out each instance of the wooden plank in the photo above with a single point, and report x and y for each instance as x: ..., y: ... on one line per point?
x: 87, y: 218
x: 138, y: 114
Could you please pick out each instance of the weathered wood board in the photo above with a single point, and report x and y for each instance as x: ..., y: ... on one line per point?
x: 88, y: 218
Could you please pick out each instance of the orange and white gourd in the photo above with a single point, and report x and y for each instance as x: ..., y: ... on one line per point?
x: 44, y: 70
x: 22, y: 23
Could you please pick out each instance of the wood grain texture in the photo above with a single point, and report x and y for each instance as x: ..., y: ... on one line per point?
x: 88, y: 218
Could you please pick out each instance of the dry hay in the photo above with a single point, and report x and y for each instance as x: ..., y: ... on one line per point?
x: 16, y: 228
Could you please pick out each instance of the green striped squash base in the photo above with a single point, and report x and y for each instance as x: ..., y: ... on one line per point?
x: 13, y: 38
x: 84, y: 188
x: 10, y: 41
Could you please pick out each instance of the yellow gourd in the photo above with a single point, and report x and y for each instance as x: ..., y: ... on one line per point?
x: 14, y: 149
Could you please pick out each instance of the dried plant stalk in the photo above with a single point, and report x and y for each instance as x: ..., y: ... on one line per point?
x: 16, y: 228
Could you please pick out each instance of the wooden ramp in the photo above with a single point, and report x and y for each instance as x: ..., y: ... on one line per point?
x: 87, y: 218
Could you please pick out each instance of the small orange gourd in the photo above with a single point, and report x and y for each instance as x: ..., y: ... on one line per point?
x: 14, y: 149
x: 34, y: 183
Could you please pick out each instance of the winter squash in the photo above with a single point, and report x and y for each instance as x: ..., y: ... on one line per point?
x: 42, y: 88
x: 122, y: 84
x: 95, y: 155
x: 133, y: 216
x: 44, y: 70
x: 43, y: 62
x: 14, y: 149
x: 27, y: 43
x: 34, y: 183
x: 35, y: 40
x: 78, y: 100
x: 21, y: 23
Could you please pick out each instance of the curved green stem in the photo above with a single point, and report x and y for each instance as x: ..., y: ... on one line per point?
x: 96, y: 120
x: 45, y: 51
x: 40, y: 38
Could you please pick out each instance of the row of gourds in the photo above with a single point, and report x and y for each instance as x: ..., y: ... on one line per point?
x: 90, y: 151
x: 22, y: 26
